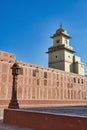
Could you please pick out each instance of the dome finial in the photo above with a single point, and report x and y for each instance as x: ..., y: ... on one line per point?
x: 60, y: 25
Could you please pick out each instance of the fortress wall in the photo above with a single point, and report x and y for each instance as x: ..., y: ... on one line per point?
x: 41, y: 85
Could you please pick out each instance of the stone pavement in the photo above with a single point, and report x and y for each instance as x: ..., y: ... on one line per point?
x: 9, y: 127
x: 66, y: 110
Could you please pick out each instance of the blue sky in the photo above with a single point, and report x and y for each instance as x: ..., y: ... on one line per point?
x: 26, y: 27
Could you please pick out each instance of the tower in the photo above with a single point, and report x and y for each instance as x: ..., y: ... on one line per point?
x: 61, y: 54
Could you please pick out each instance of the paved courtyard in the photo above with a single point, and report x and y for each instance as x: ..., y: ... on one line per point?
x: 67, y: 110
x: 9, y: 127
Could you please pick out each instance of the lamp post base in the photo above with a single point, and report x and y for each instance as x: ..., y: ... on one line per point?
x: 13, y: 105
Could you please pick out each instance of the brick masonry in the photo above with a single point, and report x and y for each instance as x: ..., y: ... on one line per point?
x: 41, y: 86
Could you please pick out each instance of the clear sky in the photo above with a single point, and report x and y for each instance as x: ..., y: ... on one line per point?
x: 26, y: 27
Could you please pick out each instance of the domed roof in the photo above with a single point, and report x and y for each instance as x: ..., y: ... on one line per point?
x: 61, y: 31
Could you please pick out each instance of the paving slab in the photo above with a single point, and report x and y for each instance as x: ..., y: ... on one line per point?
x: 11, y: 127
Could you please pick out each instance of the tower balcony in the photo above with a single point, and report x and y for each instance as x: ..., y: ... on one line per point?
x: 61, y: 47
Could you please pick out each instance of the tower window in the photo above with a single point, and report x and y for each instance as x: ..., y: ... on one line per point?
x: 56, y: 56
x: 57, y: 41
x: 66, y: 41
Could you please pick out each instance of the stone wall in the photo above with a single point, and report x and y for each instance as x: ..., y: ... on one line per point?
x: 39, y: 84
x: 44, y: 121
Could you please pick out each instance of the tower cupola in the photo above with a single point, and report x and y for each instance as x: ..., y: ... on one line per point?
x: 61, y: 31
x: 61, y: 54
x: 60, y: 37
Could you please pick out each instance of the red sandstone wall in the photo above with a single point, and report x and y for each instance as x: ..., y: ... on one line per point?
x: 44, y: 121
x: 41, y: 84
x: 6, y: 61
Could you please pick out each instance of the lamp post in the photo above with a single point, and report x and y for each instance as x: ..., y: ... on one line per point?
x: 16, y: 70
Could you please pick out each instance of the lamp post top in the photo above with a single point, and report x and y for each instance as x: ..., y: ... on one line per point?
x: 16, y: 69
x: 15, y: 66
